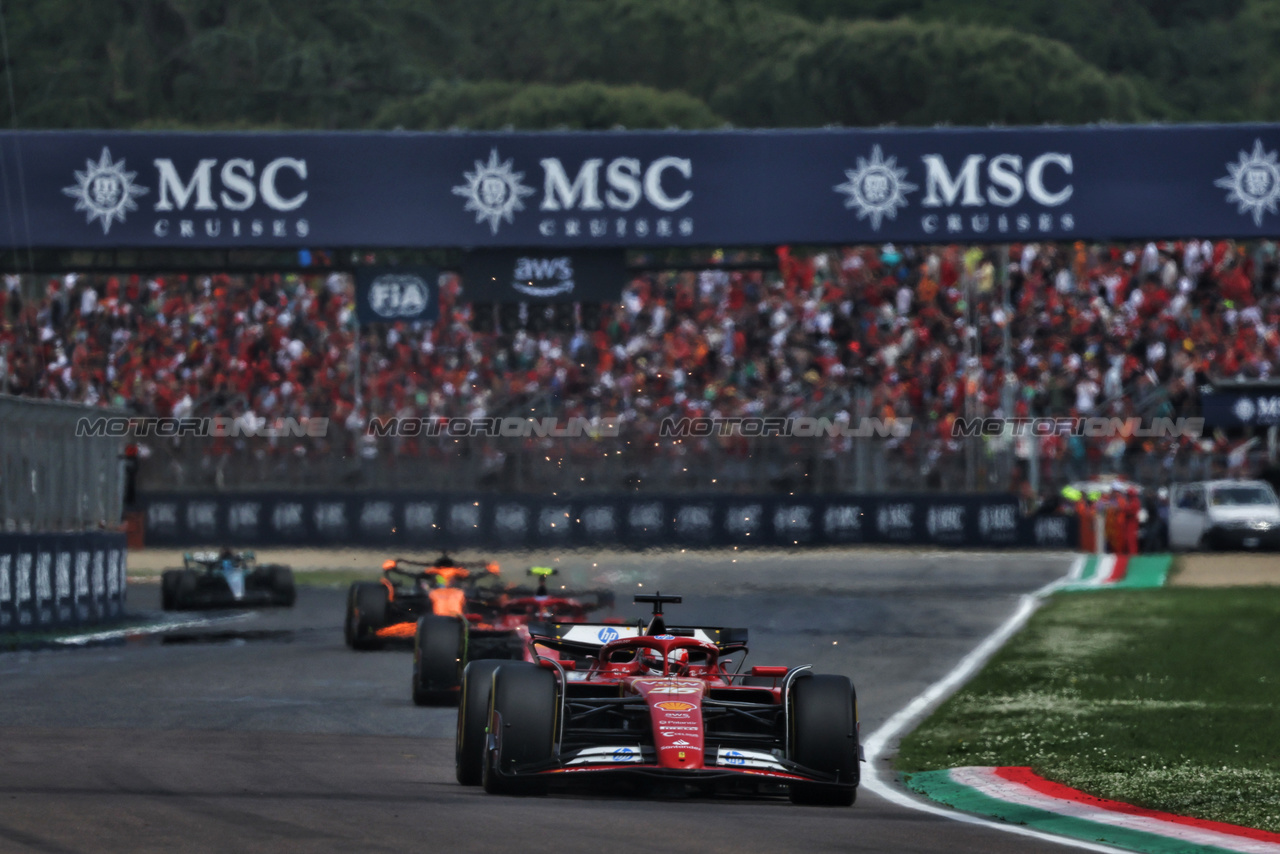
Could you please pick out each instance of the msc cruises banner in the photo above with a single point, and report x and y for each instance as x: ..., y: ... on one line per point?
x: 1245, y: 408
x: 124, y: 189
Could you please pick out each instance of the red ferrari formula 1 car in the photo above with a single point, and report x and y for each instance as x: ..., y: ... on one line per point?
x: 496, y: 628
x: 658, y: 703
x: 388, y: 609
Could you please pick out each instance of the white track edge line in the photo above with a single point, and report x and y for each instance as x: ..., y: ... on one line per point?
x: 80, y: 640
x: 914, y: 710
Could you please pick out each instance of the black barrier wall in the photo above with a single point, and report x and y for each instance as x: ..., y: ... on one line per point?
x: 456, y: 521
x: 52, y: 580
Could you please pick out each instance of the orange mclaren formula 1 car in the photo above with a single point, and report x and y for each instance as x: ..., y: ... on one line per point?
x: 496, y: 627
x: 388, y: 609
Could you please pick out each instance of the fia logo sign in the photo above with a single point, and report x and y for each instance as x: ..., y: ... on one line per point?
x: 399, y: 295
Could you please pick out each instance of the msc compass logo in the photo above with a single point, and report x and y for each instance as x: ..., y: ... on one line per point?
x: 105, y: 191
x: 877, y: 188
x: 493, y: 191
x: 1253, y: 182
x: 1244, y: 410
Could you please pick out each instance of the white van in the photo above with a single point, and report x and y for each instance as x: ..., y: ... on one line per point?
x: 1224, y: 514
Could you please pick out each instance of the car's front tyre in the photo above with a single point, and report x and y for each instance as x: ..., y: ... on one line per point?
x: 824, y: 737
x: 523, y: 705
x: 473, y: 720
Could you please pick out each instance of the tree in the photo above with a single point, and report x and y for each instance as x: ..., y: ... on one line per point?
x: 901, y: 72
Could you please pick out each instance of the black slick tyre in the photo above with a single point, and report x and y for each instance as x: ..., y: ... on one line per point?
x: 280, y: 582
x: 824, y: 737
x: 524, y: 704
x: 473, y: 720
x: 184, y: 592
x: 366, y: 613
x: 439, y: 650
x: 169, y: 580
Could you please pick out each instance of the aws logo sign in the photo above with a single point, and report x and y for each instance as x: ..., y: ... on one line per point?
x: 623, y: 197
x: 972, y: 195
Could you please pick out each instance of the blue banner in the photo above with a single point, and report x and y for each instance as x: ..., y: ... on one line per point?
x: 1246, y: 408
x: 130, y: 189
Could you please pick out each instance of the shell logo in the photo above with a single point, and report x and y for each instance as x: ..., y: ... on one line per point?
x: 674, y: 706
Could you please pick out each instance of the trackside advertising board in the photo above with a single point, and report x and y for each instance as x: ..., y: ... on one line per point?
x: 539, y: 275
x: 1250, y: 408
x: 391, y: 294
x: 93, y: 189
x: 435, y: 521
x: 52, y: 580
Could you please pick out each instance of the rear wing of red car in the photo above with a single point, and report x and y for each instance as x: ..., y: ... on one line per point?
x: 587, y: 638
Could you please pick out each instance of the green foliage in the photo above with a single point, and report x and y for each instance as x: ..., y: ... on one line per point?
x: 1198, y: 59
x: 121, y: 63
x: 1162, y: 698
x: 577, y: 106
x: 873, y: 73
x: 638, y: 63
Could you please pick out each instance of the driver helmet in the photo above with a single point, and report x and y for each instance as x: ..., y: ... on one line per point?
x: 676, y: 661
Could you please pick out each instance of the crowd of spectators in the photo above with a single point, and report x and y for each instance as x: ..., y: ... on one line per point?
x: 887, y: 332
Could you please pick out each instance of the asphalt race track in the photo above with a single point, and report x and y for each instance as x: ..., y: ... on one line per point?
x: 267, y: 734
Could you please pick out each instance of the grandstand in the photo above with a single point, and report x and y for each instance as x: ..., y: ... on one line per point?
x: 928, y: 333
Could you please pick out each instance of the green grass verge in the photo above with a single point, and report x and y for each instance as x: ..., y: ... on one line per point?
x: 1169, y: 699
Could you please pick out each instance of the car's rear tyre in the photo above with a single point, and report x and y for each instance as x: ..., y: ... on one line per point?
x: 524, y: 704
x: 280, y: 581
x: 185, y: 588
x: 439, y: 647
x: 366, y: 613
x: 169, y: 580
x: 824, y: 737
x: 473, y: 721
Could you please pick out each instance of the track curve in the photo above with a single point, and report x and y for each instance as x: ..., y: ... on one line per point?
x: 267, y: 734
